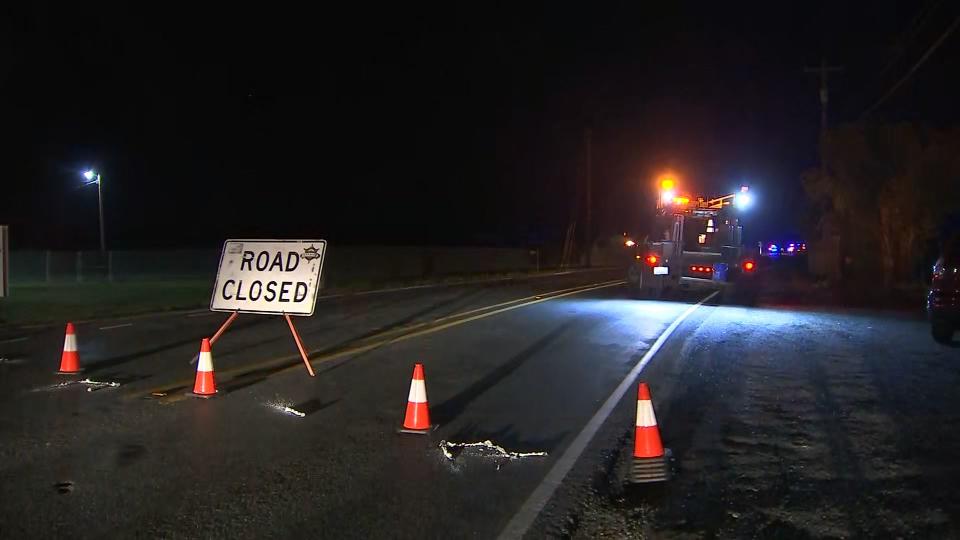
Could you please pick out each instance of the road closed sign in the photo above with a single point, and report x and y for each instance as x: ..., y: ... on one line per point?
x: 269, y: 276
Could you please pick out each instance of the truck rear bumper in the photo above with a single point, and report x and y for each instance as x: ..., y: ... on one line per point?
x: 701, y: 283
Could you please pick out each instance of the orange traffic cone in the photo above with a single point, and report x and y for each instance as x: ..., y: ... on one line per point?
x: 417, y: 419
x: 649, y: 456
x: 70, y: 359
x: 204, y: 386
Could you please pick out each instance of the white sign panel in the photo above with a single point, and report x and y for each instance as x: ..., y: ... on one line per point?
x: 269, y: 276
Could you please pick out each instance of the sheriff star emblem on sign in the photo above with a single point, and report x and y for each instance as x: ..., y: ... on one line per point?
x: 310, y: 253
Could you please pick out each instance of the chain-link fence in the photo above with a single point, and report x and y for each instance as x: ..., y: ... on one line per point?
x: 28, y: 267
x: 344, y: 266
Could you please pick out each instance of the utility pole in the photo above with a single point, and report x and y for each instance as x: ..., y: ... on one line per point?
x: 823, y: 70
x: 588, y: 226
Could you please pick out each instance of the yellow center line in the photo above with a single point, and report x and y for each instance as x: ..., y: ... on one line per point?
x: 410, y: 327
x: 280, y: 361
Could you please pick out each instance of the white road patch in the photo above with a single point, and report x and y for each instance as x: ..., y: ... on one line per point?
x: 98, y: 385
x: 285, y: 408
x: 92, y: 386
x: 11, y: 361
x: 485, y: 449
x: 291, y: 410
x: 113, y: 326
x: 58, y: 386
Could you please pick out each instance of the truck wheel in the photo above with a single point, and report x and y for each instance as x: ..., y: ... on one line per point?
x: 942, y: 331
x: 738, y: 295
x: 728, y: 295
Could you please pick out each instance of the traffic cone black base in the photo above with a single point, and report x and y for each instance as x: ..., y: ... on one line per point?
x: 645, y: 470
x: 417, y: 431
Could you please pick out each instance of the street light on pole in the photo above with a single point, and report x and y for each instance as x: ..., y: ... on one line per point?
x: 93, y: 177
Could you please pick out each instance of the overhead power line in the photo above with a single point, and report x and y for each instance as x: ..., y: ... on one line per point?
x: 910, y: 33
x: 936, y: 45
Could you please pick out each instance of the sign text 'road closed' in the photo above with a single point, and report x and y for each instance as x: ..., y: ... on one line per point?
x: 269, y: 276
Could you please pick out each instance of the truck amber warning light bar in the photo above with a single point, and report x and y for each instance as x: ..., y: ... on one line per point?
x: 742, y: 199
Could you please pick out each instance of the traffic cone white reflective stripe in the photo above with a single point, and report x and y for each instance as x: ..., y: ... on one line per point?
x: 645, y: 416
x: 204, y: 385
x: 206, y: 361
x: 418, y: 391
x: 70, y: 359
x: 417, y: 419
x: 70, y: 341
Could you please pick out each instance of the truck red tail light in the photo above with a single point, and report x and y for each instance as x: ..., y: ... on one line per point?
x: 652, y: 260
x: 749, y: 266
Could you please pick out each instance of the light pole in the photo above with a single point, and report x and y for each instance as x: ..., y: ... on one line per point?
x: 93, y: 177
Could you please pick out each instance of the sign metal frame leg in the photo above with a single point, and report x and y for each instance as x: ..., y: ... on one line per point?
x: 296, y: 337
x: 223, y: 328
x: 293, y: 330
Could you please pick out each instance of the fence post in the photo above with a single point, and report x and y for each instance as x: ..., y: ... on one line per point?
x: 46, y: 266
x: 79, y: 267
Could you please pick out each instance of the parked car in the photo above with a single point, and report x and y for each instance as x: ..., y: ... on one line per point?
x: 943, y: 300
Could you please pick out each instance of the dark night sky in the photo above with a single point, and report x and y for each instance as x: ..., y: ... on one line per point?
x: 430, y: 124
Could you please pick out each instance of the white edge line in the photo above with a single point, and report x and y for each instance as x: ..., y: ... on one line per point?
x: 525, y: 516
x: 15, y: 340
x: 202, y: 314
x: 111, y: 327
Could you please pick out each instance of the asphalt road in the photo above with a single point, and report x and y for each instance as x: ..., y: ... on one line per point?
x: 523, y: 364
